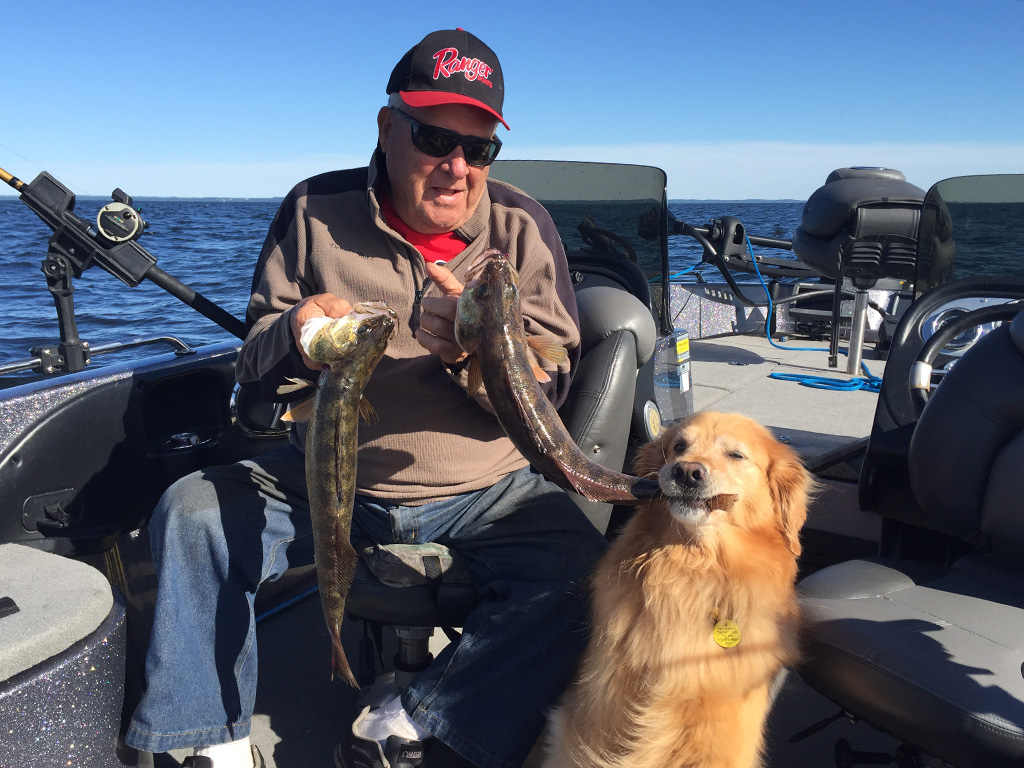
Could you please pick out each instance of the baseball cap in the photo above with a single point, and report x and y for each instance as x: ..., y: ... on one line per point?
x: 450, y: 66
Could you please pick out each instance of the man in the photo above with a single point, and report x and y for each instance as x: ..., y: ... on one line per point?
x: 435, y: 466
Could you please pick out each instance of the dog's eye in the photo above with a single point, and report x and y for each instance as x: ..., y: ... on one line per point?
x: 679, y: 448
x: 735, y: 455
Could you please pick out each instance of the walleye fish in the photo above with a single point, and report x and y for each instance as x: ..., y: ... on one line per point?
x: 352, y: 346
x: 489, y: 326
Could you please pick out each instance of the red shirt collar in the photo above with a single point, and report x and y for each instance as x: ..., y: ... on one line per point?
x: 443, y: 247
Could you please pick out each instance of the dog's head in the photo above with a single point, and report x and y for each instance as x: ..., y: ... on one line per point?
x: 723, y: 465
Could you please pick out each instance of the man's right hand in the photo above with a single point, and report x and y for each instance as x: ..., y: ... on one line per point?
x: 320, y: 305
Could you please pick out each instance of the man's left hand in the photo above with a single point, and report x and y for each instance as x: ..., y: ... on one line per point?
x: 436, y: 333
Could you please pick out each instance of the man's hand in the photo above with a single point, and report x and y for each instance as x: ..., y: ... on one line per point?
x: 436, y: 333
x: 320, y: 305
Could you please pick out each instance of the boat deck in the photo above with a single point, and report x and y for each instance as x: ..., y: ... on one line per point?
x: 301, y: 714
x: 731, y: 373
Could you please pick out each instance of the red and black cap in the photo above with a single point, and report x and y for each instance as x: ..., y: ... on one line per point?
x: 450, y: 66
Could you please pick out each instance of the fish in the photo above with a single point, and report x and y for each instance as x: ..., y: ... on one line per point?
x: 351, y: 347
x: 489, y: 326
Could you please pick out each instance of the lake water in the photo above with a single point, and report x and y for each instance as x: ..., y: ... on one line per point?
x: 212, y: 247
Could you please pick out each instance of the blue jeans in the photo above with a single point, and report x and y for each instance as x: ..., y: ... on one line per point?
x: 219, y: 533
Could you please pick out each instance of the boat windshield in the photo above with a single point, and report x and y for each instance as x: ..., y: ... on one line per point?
x: 971, y: 226
x: 606, y: 207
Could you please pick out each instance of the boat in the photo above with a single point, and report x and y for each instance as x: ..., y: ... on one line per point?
x: 835, y: 342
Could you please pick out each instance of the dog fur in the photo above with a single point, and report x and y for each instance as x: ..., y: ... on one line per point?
x: 654, y: 688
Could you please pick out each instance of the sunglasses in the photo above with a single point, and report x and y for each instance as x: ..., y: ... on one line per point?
x: 440, y: 142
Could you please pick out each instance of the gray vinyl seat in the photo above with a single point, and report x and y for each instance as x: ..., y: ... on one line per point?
x: 933, y: 653
x: 425, y: 585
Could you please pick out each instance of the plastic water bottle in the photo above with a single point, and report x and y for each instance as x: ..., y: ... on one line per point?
x: 672, y: 382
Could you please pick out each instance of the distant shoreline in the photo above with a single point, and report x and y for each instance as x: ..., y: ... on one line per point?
x: 279, y: 199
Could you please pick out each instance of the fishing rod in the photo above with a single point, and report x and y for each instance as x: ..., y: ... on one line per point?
x: 111, y: 245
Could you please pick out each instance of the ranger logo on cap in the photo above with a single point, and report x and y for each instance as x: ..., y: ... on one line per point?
x: 449, y: 63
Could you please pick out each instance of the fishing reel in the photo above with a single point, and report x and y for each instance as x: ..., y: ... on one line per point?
x: 119, y: 222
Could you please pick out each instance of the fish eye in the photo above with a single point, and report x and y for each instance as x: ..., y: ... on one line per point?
x: 363, y: 330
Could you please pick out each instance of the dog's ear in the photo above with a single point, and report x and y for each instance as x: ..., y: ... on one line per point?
x: 652, y: 457
x: 790, y: 485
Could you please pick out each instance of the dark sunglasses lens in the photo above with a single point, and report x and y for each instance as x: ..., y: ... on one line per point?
x: 433, y: 141
x: 483, y: 153
x: 438, y: 142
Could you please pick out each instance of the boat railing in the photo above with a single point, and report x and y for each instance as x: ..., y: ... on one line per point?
x: 46, y: 359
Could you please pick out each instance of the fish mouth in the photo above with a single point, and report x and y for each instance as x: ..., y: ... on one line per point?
x: 367, y: 310
x: 479, y: 265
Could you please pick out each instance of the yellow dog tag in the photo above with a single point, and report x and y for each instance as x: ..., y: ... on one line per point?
x: 727, y: 633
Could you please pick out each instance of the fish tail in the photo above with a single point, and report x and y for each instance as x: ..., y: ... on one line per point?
x: 339, y: 662
x: 612, y: 486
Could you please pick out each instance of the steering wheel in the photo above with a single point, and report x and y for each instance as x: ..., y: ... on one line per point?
x: 920, y: 380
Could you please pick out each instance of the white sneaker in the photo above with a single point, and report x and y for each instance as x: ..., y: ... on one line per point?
x: 388, y: 720
x: 383, y: 737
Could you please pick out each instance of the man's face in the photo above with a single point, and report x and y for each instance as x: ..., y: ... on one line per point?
x: 433, y: 194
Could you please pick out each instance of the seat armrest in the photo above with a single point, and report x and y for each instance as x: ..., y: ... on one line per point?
x: 603, y: 310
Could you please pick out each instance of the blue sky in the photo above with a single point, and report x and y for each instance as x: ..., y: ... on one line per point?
x: 734, y: 99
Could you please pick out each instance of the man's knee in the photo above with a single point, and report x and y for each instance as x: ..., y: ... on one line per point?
x: 187, y: 513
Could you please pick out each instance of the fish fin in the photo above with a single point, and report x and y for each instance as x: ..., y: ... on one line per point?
x: 476, y: 378
x: 339, y: 663
x: 366, y: 412
x: 540, y: 373
x: 548, y: 349
x: 293, y: 385
x: 302, y: 411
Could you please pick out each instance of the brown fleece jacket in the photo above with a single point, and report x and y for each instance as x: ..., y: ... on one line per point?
x: 431, y: 440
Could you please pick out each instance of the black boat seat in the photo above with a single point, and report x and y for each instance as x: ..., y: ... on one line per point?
x: 861, y: 225
x: 931, y: 652
x: 589, y: 268
x: 415, y: 586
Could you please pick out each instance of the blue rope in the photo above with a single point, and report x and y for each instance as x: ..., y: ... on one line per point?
x: 869, y: 382
x: 674, y: 275
x: 771, y: 306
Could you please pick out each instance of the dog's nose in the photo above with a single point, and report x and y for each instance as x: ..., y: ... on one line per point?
x: 689, y: 473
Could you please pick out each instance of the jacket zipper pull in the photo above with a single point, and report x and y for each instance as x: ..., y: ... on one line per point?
x: 414, y: 321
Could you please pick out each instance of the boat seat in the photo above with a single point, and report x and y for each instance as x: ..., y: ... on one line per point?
x: 590, y: 268
x: 860, y: 226
x: 62, y: 651
x: 930, y: 649
x: 418, y: 587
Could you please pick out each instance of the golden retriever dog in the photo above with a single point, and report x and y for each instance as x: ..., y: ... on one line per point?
x: 694, y: 609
